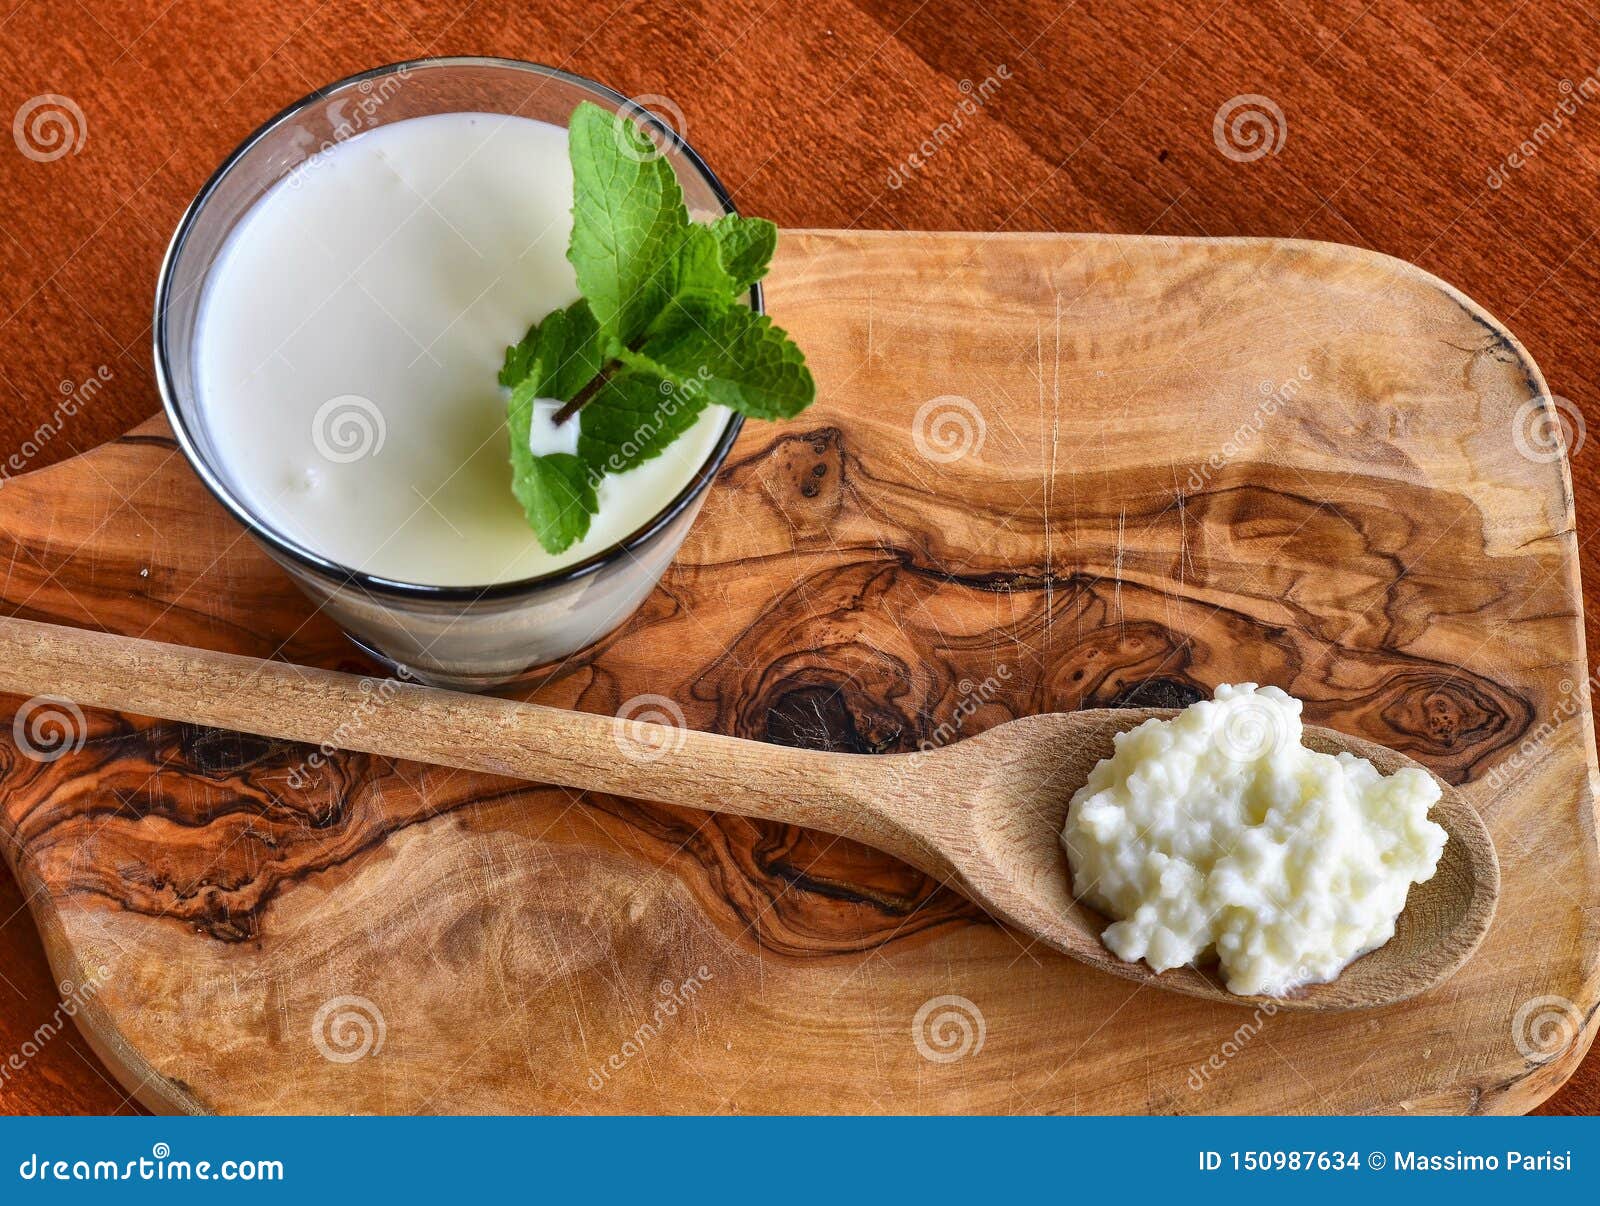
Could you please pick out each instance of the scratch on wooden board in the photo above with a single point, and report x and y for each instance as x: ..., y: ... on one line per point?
x: 1049, y: 479
x: 1116, y: 567
x: 1050, y: 497
x: 1185, y: 564
x: 1183, y: 529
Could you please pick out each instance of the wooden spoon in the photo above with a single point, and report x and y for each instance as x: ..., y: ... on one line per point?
x: 982, y: 815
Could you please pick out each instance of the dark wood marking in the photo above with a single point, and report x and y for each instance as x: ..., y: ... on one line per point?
x: 859, y: 656
x: 1377, y: 547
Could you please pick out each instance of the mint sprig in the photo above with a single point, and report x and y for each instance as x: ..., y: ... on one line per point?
x: 747, y: 245
x: 627, y: 423
x: 660, y: 332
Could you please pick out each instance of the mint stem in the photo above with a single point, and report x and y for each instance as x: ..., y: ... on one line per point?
x: 579, y: 398
x: 590, y: 390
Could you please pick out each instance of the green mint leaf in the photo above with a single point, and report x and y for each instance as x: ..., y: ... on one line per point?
x: 634, y: 417
x: 693, y: 278
x: 557, y: 495
x: 558, y: 356
x: 520, y: 357
x: 735, y: 358
x: 628, y: 221
x: 555, y: 359
x: 747, y: 246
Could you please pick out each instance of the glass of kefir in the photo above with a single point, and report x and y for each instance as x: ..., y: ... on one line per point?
x: 329, y: 323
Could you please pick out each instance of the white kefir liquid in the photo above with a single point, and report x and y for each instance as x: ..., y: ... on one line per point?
x: 350, y: 336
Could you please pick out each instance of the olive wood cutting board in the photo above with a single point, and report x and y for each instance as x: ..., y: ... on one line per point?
x: 1043, y: 473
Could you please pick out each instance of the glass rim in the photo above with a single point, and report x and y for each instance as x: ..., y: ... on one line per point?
x: 345, y: 575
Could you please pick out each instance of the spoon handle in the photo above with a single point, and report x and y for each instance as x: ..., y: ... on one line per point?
x: 838, y: 793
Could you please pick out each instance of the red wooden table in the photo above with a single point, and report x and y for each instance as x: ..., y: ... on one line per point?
x: 1460, y: 137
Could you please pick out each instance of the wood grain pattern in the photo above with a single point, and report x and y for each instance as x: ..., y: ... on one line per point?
x: 983, y: 816
x: 1396, y: 114
x: 514, y: 940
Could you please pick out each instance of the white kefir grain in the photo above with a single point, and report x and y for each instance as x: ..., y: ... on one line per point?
x: 1217, y: 830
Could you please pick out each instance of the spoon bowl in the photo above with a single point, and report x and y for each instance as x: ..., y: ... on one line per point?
x: 1006, y: 850
x: 982, y: 815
